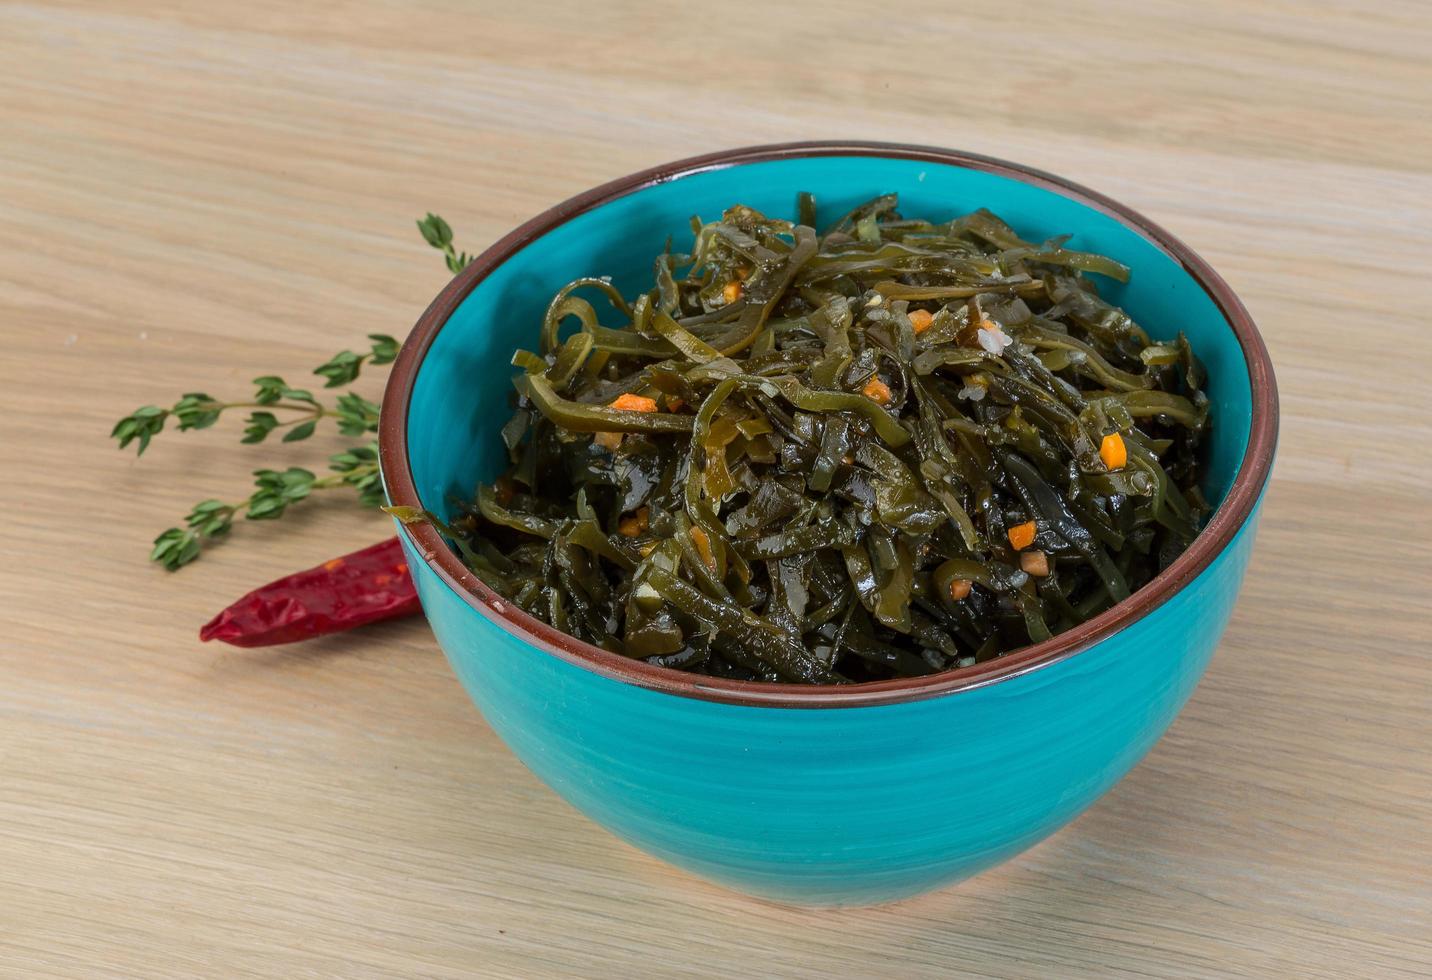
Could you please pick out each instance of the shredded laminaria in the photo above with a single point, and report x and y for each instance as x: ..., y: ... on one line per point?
x: 894, y: 448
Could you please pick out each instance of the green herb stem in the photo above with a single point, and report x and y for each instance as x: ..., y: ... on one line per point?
x: 275, y: 490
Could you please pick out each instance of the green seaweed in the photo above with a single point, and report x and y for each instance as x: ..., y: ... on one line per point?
x: 803, y: 456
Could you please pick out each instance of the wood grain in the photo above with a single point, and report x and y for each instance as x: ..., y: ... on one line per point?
x: 193, y: 194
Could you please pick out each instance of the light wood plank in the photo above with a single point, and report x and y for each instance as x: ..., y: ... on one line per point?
x: 193, y: 194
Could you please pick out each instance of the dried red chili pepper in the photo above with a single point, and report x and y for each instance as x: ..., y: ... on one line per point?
x: 359, y: 588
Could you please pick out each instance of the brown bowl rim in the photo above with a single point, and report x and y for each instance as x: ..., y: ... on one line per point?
x: 1221, y: 529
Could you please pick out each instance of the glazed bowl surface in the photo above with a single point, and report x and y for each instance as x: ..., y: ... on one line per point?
x: 812, y: 795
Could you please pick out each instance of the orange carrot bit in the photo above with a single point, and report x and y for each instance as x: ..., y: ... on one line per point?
x: 1021, y: 536
x: 634, y: 524
x: 731, y: 291
x: 674, y: 403
x: 876, y: 390
x: 960, y: 588
x: 703, y: 547
x: 1113, y: 451
x: 1036, y: 563
x: 634, y: 403
x: 333, y: 564
x: 921, y: 320
x: 608, y: 440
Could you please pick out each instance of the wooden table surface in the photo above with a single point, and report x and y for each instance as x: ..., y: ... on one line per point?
x: 193, y: 194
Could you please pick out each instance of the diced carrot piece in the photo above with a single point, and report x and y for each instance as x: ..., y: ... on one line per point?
x: 333, y: 564
x: 1113, y: 451
x: 674, y: 403
x: 703, y: 547
x: 634, y: 524
x: 1036, y: 563
x: 960, y: 588
x: 921, y: 320
x: 1021, y: 536
x: 731, y: 291
x: 608, y: 440
x: 634, y: 403
x: 876, y: 390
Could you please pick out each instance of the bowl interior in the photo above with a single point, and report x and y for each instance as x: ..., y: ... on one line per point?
x: 461, y: 394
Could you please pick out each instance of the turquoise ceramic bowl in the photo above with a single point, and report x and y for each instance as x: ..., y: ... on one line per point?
x: 821, y: 796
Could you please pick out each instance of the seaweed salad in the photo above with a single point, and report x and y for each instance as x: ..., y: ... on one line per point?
x: 893, y: 448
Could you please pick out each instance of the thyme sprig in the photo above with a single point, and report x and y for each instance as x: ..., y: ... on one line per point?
x: 438, y: 234
x: 274, y: 491
x: 275, y: 406
x: 354, y: 414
